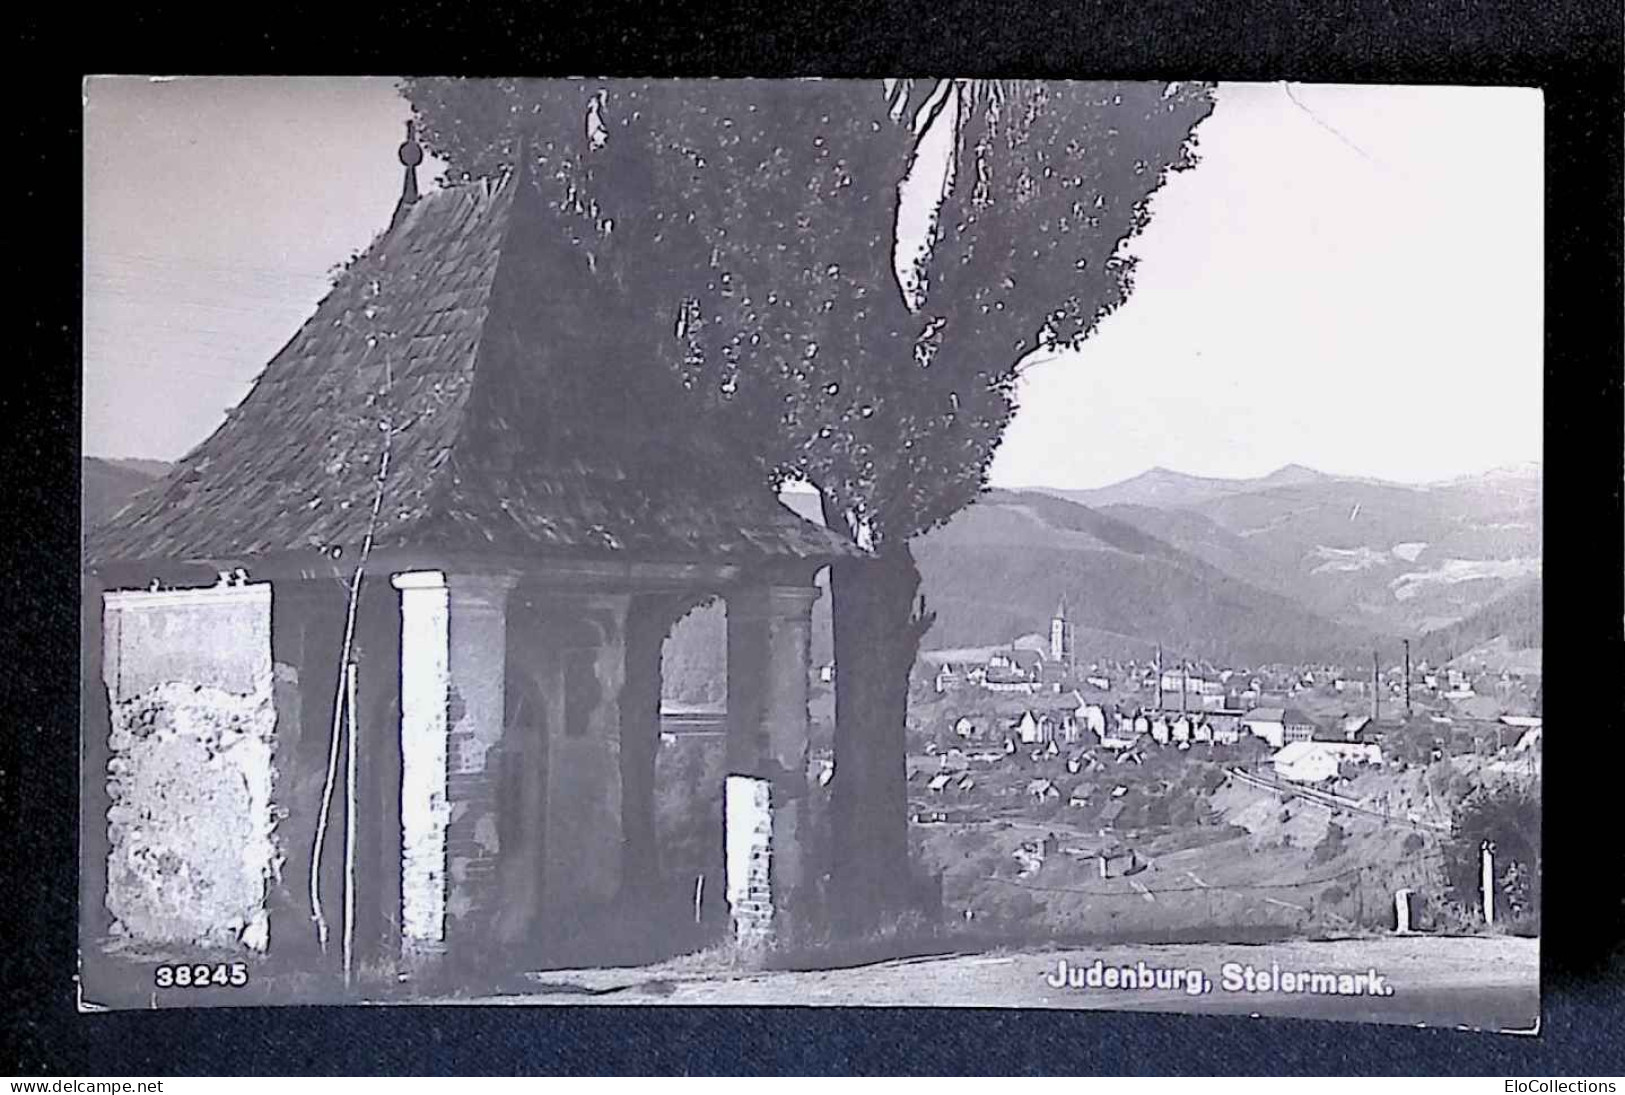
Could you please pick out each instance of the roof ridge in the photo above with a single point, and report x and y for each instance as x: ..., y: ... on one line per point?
x: 446, y: 325
x: 287, y: 468
x: 441, y: 476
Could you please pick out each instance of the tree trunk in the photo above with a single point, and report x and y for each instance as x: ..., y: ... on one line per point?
x: 877, y: 633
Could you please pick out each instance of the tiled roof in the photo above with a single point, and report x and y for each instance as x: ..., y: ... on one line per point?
x: 515, y: 424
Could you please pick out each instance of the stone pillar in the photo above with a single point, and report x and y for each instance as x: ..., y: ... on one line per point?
x: 478, y: 662
x: 378, y: 778
x: 453, y: 663
x: 648, y: 622
x: 583, y: 646
x: 769, y: 630
x: 307, y: 641
x: 425, y: 720
x: 1402, y: 911
x: 521, y: 799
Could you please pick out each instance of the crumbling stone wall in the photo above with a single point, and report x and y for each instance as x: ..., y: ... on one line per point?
x: 191, y: 766
x: 191, y: 824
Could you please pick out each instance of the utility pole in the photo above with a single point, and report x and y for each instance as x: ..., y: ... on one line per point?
x: 1159, y: 676
x: 351, y: 804
x: 1184, y: 687
x: 1488, y: 883
x: 1376, y: 689
x: 1407, y: 679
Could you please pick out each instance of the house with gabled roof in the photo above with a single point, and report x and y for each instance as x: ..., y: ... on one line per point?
x: 464, y: 516
x: 1109, y: 814
x: 1306, y: 761
x: 1116, y: 860
x: 1043, y: 790
x: 1280, y: 725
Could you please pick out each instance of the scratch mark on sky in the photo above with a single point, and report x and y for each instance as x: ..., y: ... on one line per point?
x: 1328, y: 127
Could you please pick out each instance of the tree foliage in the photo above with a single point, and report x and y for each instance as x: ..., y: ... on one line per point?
x: 1331, y: 845
x: 746, y: 233
x: 1507, y: 815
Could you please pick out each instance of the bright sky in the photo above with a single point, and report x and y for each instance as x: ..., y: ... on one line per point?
x: 1353, y: 283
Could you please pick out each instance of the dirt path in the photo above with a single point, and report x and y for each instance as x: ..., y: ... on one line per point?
x: 1480, y: 983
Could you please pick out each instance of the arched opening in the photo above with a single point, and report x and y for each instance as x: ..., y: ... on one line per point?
x: 690, y: 767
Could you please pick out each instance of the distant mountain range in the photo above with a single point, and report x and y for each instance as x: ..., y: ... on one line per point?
x: 1510, y: 623
x: 998, y: 569
x: 1163, y: 488
x: 1320, y: 562
x: 106, y: 485
x: 1295, y: 565
x: 1384, y: 557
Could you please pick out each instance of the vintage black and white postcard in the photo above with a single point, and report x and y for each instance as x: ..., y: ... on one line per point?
x: 1021, y: 544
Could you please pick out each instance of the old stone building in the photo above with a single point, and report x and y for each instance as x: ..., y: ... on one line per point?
x: 457, y: 422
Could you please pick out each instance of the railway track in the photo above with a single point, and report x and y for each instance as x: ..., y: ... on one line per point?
x: 1334, y: 801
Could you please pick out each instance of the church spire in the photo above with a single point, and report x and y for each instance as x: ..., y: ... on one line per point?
x: 1060, y: 635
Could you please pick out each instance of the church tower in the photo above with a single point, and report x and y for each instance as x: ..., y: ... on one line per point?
x: 1060, y: 635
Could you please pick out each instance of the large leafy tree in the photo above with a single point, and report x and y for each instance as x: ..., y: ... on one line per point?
x: 748, y: 233
x: 1507, y: 815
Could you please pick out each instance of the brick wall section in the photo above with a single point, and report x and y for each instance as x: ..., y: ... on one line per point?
x: 471, y: 843
x: 748, y: 825
x: 476, y: 699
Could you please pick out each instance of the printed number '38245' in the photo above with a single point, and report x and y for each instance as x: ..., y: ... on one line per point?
x: 201, y: 975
